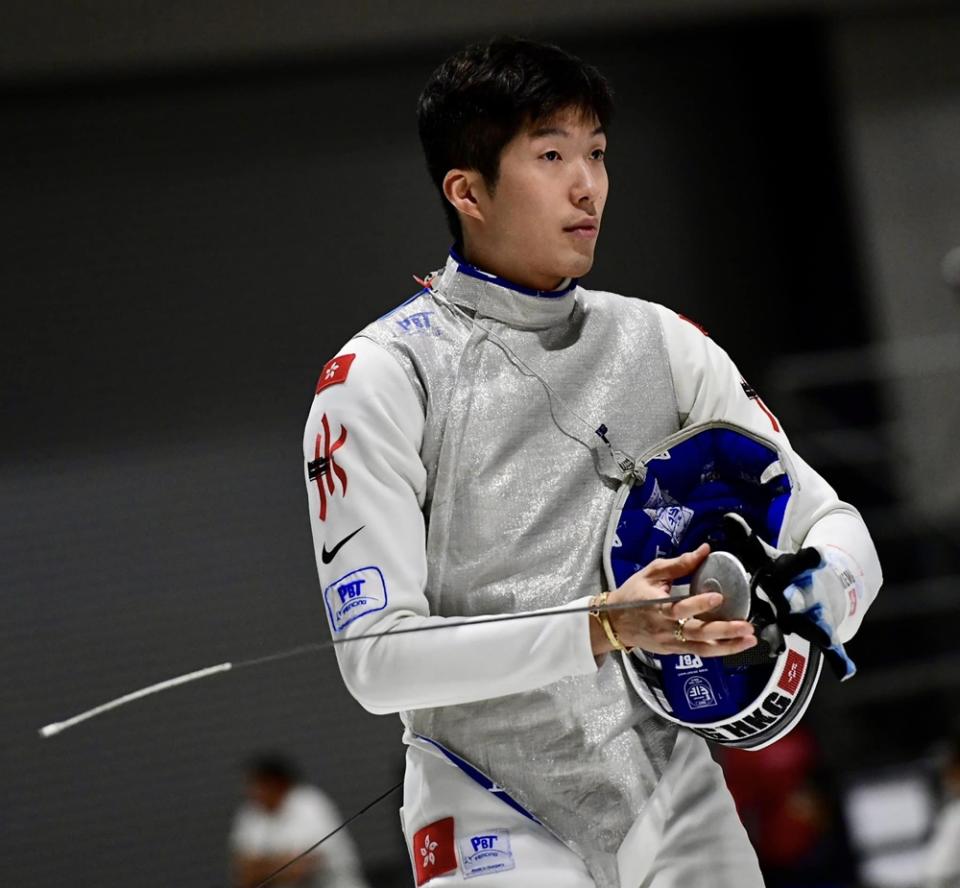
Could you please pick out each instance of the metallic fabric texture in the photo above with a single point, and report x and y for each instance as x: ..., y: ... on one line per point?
x: 520, y: 489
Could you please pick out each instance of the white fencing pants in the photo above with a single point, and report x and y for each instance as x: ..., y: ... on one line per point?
x: 688, y: 836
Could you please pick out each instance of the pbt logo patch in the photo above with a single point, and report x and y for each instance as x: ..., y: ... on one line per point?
x: 355, y: 595
x: 485, y: 852
x: 418, y: 322
x: 688, y: 661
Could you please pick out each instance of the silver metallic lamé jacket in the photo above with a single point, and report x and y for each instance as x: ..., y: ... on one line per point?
x: 477, y: 436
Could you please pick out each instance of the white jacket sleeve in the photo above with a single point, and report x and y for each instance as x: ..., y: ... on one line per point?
x: 366, y: 485
x: 709, y: 387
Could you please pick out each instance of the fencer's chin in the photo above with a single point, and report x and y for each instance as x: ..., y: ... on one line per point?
x: 582, y: 257
x: 579, y: 267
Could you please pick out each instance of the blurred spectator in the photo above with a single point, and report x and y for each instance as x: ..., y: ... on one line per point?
x: 943, y: 863
x: 281, y: 818
x: 790, y: 813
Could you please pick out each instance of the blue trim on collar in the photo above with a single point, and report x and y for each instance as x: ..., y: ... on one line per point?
x: 466, y: 268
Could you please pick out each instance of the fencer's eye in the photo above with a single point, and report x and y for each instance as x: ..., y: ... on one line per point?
x: 550, y: 155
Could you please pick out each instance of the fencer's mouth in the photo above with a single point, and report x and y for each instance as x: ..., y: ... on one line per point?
x: 585, y: 224
x: 587, y: 228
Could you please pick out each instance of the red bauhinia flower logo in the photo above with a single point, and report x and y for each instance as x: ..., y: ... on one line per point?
x: 426, y: 852
x: 433, y: 850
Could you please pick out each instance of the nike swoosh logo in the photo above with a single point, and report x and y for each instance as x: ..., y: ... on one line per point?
x: 327, y: 557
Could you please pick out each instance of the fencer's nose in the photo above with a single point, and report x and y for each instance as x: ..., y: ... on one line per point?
x: 585, y: 188
x: 584, y: 181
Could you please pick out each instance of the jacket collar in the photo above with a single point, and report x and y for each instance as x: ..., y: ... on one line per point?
x: 495, y: 297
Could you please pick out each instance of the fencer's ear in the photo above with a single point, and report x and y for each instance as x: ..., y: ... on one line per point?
x: 461, y: 188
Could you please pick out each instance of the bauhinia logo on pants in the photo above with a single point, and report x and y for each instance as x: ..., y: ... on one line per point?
x: 433, y: 850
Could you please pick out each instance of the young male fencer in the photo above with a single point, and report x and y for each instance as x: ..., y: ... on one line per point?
x: 460, y: 464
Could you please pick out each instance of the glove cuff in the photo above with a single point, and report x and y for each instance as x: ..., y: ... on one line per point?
x: 841, y: 589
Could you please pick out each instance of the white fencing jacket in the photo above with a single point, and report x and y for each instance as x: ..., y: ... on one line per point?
x: 454, y: 470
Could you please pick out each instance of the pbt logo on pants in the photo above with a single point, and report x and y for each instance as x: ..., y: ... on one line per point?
x: 485, y: 852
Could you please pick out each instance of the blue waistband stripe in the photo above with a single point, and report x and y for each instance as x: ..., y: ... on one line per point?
x: 482, y: 779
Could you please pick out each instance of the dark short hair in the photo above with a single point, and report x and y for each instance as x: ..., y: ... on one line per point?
x: 483, y: 95
x: 273, y: 766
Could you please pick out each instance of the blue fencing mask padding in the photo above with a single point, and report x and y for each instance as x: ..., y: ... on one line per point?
x: 696, y: 487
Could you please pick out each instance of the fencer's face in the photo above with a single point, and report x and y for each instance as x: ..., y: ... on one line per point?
x: 540, y: 222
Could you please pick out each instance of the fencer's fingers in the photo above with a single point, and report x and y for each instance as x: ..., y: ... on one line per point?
x: 717, y: 630
x: 695, y: 605
x: 671, y: 568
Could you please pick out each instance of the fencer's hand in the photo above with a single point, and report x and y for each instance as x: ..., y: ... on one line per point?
x: 655, y: 628
x: 812, y: 590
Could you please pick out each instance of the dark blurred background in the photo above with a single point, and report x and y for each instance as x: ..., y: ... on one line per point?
x: 201, y: 202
